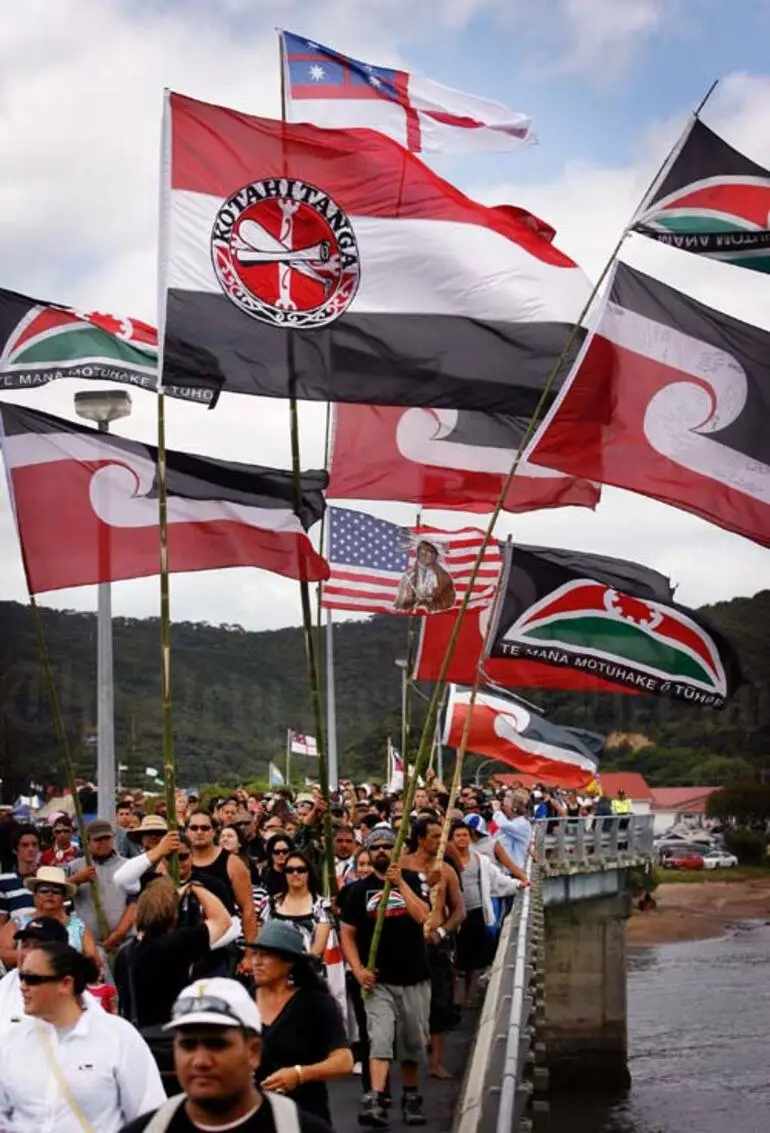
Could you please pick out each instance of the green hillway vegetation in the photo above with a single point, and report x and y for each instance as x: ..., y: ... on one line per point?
x: 236, y: 693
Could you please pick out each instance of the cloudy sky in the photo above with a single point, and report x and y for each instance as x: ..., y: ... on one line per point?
x: 609, y: 85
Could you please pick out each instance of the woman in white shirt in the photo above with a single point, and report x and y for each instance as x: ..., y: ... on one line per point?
x: 67, y: 1070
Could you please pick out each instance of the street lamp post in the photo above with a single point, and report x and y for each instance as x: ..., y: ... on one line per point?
x: 402, y: 664
x: 102, y: 407
x: 484, y: 763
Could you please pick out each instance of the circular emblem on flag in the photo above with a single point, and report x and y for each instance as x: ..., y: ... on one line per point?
x: 286, y: 254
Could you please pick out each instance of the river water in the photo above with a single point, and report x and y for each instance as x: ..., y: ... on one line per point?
x: 699, y: 1042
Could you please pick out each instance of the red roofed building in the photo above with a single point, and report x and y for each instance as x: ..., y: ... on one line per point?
x: 635, y: 785
x: 679, y: 804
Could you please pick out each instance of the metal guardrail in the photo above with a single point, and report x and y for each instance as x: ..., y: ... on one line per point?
x: 582, y: 845
x: 501, y: 1077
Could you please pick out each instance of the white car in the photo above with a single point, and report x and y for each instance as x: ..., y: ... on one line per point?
x: 719, y: 859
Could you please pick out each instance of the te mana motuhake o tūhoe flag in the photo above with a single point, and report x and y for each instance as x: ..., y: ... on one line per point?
x: 614, y: 619
x: 713, y: 201
x: 334, y: 265
x: 442, y: 458
x: 86, y: 508
x: 670, y: 399
x: 504, y: 728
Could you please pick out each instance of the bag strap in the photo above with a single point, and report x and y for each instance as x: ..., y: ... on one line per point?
x: 44, y: 1039
x: 285, y: 1114
x: 162, y: 1118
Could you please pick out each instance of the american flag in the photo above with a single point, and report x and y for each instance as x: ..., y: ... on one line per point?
x: 373, y: 562
x: 334, y: 90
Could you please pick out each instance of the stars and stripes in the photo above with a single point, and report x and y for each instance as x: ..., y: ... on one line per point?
x: 370, y: 560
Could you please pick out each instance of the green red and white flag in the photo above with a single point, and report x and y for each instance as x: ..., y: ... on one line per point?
x: 713, y: 201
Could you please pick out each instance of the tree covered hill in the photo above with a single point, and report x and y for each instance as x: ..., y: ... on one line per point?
x: 236, y: 693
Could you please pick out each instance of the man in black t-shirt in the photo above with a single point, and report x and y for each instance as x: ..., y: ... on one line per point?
x: 398, y: 1000
x: 217, y: 1048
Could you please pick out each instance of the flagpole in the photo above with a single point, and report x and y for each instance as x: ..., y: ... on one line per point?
x: 423, y: 751
x: 288, y: 757
x: 331, y: 705
x: 304, y: 586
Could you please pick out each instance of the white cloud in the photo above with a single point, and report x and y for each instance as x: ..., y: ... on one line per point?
x: 606, y: 33
x: 79, y: 133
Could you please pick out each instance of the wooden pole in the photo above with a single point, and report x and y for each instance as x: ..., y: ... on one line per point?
x: 169, y: 769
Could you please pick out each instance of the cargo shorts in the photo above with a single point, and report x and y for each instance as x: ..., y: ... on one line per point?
x: 397, y: 1021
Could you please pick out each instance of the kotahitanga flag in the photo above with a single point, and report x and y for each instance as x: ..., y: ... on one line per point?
x: 442, y: 458
x: 670, y: 399
x: 330, y: 89
x: 395, y: 287
x: 713, y: 201
x: 504, y: 728
x: 86, y: 508
x: 615, y: 619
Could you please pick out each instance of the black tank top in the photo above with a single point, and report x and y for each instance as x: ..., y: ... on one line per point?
x: 218, y: 870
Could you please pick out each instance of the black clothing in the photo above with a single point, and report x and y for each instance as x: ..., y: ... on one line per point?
x: 476, y: 943
x: 443, y: 1013
x: 307, y: 1030
x: 218, y: 871
x: 160, y: 969
x: 402, y: 959
x: 261, y: 1122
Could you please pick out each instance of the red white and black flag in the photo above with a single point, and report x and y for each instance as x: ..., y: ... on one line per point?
x: 504, y: 728
x: 713, y: 201
x: 399, y: 290
x: 614, y: 619
x: 442, y: 458
x: 86, y: 508
x: 670, y: 399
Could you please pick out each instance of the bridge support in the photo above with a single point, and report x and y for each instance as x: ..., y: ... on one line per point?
x: 585, y: 1025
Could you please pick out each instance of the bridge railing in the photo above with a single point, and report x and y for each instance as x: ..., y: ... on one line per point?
x: 593, y: 843
x: 502, y: 1074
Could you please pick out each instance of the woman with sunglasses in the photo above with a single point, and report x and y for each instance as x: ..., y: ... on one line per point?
x: 299, y: 901
x: 277, y: 849
x: 51, y: 890
x: 65, y: 1067
x: 304, y: 1044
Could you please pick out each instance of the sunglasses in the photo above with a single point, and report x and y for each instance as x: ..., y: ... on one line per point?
x: 380, y: 846
x: 194, y: 828
x: 208, y: 1004
x: 283, y: 852
x: 51, y: 890
x: 296, y: 869
x: 32, y: 979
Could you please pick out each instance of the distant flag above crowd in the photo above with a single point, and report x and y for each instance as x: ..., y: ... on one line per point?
x: 442, y: 458
x: 504, y: 728
x: 300, y: 744
x: 616, y: 619
x: 274, y: 776
x: 330, y: 89
x: 713, y: 201
x: 395, y: 769
x: 379, y: 567
x: 86, y: 507
x: 669, y: 399
x: 406, y: 291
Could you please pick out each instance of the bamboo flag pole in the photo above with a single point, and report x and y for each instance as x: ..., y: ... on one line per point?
x: 423, y: 752
x: 66, y: 754
x: 304, y: 587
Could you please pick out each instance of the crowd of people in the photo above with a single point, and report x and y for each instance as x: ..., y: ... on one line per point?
x: 213, y: 962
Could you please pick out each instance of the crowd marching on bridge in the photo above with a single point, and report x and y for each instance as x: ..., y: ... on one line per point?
x: 232, y: 980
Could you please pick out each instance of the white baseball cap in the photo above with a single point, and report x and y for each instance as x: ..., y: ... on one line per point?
x: 217, y: 1002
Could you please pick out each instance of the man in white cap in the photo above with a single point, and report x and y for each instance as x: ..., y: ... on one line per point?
x: 217, y: 1049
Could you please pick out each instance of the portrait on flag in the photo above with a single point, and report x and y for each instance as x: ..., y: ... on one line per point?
x: 380, y: 567
x: 442, y: 458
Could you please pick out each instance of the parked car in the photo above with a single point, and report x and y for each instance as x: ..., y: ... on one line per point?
x: 682, y: 859
x: 719, y: 859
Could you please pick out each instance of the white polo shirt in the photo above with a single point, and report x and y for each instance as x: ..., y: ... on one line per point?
x: 105, y: 1061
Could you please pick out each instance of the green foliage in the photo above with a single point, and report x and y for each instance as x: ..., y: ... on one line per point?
x: 747, y: 804
x: 749, y: 846
x: 236, y: 693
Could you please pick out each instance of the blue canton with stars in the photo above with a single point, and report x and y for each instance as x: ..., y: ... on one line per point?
x: 313, y: 65
x: 360, y: 540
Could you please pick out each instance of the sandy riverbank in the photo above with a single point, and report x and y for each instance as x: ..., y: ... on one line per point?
x: 699, y: 911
